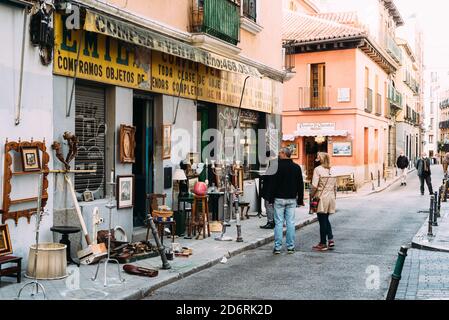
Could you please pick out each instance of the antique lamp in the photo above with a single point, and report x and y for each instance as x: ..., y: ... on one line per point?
x: 181, y: 177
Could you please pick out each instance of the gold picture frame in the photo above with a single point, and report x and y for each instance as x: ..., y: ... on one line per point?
x: 5, y: 240
x: 30, y: 158
x: 294, y: 147
x: 127, y: 144
x: 166, y: 141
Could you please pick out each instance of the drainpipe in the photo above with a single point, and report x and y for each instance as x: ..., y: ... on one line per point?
x: 22, y: 61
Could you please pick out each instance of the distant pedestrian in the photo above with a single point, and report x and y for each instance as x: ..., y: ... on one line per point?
x: 324, y: 189
x: 402, y: 164
x: 287, y: 194
x: 424, y: 173
x: 445, y: 162
x: 266, y: 190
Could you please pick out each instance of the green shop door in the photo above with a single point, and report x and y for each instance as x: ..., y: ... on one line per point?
x: 143, y: 167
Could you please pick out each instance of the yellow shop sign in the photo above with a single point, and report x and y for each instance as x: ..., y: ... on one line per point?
x: 93, y: 56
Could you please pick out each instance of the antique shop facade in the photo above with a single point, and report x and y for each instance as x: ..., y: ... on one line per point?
x: 170, y: 92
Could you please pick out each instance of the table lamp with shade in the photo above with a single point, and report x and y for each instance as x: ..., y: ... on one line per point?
x: 181, y: 177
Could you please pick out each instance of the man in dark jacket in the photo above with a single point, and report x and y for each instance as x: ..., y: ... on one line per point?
x: 287, y: 194
x: 267, y: 181
x: 402, y: 163
x: 423, y: 167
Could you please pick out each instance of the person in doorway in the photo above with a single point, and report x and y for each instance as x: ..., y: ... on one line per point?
x: 445, y: 162
x: 402, y: 163
x: 267, y: 189
x: 287, y: 194
x: 324, y: 187
x: 424, y: 173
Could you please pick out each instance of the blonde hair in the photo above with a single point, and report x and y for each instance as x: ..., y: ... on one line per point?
x: 324, y: 159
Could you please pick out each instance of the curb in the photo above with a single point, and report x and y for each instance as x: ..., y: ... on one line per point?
x: 144, y: 292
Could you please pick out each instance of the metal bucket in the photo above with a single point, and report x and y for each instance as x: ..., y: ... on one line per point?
x: 51, y: 261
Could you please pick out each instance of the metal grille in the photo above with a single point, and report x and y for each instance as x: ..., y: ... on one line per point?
x: 90, y: 128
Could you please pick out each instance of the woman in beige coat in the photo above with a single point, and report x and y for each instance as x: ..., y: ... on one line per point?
x: 324, y: 186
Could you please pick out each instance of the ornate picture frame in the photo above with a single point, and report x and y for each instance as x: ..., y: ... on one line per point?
x: 166, y: 141
x: 30, y: 158
x: 125, y: 191
x: 127, y: 144
x: 5, y: 240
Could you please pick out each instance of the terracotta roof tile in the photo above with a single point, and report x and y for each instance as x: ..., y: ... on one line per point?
x: 349, y: 18
x: 303, y: 28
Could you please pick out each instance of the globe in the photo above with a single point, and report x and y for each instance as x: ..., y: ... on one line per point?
x: 200, y: 189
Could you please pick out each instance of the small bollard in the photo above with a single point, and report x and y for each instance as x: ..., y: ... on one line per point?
x: 435, y: 212
x: 430, y: 231
x: 372, y: 181
x: 378, y: 178
x: 440, y: 194
x: 396, y: 276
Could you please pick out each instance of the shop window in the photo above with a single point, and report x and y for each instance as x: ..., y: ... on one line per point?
x: 90, y: 128
x: 249, y: 124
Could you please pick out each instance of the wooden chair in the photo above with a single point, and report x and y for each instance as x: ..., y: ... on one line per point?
x: 155, y: 214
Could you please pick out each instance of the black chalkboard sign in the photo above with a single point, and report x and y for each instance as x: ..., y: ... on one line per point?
x: 168, y: 177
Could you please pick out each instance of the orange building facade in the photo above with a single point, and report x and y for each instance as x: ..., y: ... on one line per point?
x: 340, y: 97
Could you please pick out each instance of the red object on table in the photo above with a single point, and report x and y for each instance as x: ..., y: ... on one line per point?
x: 200, y: 189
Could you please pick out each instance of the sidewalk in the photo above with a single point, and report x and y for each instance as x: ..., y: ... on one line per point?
x: 426, y: 269
x: 206, y: 253
x: 368, y: 189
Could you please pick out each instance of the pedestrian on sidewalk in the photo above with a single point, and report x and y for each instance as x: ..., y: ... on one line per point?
x: 402, y: 163
x: 424, y: 173
x: 287, y: 195
x: 324, y: 188
x: 445, y: 162
x: 267, y: 189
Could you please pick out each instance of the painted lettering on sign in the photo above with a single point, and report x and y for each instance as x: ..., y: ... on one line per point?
x: 93, y: 56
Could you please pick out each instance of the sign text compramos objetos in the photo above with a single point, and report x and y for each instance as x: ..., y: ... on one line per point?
x: 97, y: 70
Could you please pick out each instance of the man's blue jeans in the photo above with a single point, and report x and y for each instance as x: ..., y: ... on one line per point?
x: 284, y: 209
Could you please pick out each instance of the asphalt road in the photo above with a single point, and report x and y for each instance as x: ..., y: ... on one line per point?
x: 368, y: 232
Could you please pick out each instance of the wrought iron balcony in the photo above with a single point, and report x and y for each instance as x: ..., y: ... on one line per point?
x: 393, y: 49
x: 444, y: 104
x: 249, y: 9
x: 218, y: 18
x: 368, y: 100
x: 444, y: 124
x: 313, y: 98
x: 394, y: 97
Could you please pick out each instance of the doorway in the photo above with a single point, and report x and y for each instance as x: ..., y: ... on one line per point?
x: 312, y: 148
x: 366, y: 154
x: 143, y: 166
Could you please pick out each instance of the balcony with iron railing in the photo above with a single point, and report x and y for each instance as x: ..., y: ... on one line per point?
x: 218, y: 18
x: 368, y: 100
x: 411, y: 82
x: 249, y: 9
x: 394, y: 97
x: 313, y: 98
x: 444, y: 124
x: 393, y: 49
x: 444, y: 104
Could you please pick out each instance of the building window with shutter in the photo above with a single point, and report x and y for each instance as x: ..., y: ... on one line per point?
x: 90, y: 128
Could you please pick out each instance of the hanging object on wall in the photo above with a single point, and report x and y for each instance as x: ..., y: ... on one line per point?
x: 32, y: 159
x: 127, y: 144
x: 41, y: 30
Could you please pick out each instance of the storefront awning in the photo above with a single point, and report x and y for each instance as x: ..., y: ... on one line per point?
x: 314, y: 133
x: 100, y: 23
